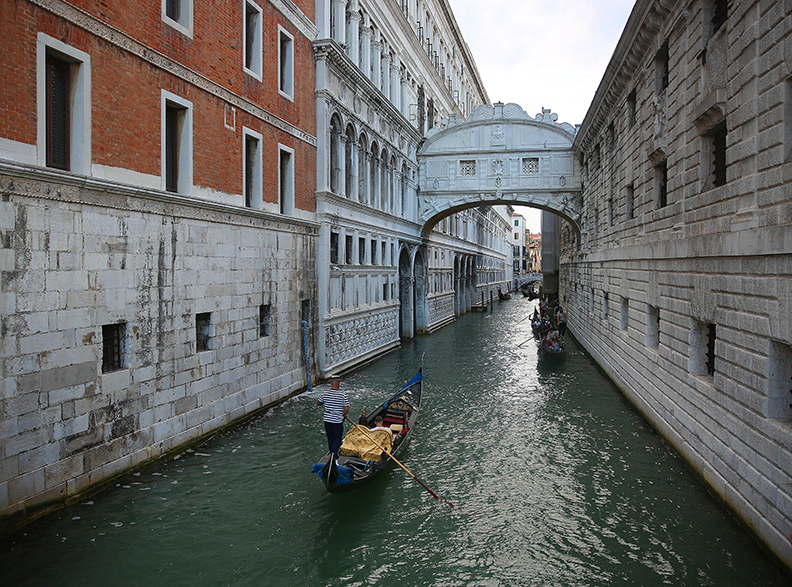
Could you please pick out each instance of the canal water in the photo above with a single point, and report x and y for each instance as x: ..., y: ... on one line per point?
x: 559, y: 480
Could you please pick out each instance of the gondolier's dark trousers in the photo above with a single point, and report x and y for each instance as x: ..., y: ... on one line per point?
x: 335, y: 434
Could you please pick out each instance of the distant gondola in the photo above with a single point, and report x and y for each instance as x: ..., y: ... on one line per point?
x: 360, y: 459
x: 548, y: 350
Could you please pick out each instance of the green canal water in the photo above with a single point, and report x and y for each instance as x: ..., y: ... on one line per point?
x: 560, y: 481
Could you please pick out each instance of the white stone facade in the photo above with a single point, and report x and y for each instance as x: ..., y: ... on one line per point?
x: 680, y: 283
x: 387, y: 73
x: 85, y: 255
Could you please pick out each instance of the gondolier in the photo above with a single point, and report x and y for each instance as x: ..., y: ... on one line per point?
x: 336, y: 406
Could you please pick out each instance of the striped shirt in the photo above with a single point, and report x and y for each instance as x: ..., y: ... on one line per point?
x: 334, y: 401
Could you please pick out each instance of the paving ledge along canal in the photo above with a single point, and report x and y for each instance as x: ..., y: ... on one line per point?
x: 561, y: 482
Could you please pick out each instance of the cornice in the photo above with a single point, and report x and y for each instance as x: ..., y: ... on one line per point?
x: 330, y: 50
x: 295, y: 16
x: 645, y: 22
x: 121, y: 40
x: 47, y: 184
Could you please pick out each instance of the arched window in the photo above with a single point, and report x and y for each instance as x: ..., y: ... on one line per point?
x: 363, y: 174
x: 335, y: 154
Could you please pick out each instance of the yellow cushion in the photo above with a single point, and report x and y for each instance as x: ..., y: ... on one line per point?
x: 396, y: 428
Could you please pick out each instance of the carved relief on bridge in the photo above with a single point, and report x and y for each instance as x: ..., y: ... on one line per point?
x: 500, y: 155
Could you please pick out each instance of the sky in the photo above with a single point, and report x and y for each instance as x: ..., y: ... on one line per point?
x: 541, y: 54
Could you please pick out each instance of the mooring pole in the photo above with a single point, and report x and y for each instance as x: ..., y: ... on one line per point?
x: 305, y: 352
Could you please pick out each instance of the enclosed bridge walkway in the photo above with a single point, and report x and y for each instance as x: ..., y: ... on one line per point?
x: 500, y: 155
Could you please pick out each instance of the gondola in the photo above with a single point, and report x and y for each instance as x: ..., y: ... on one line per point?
x: 360, y: 459
x: 548, y: 353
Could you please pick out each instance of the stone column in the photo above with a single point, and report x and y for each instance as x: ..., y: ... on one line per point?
x: 386, y: 68
x: 363, y: 174
x: 376, y: 187
x: 376, y: 59
x: 365, y: 56
x: 395, y: 85
x: 353, y: 33
x: 342, y: 156
x: 339, y: 20
x: 323, y: 18
x: 354, y: 172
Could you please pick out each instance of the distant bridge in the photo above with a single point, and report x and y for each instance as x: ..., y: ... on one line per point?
x: 500, y: 155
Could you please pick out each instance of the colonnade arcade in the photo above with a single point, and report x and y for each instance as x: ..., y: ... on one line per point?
x: 364, y: 171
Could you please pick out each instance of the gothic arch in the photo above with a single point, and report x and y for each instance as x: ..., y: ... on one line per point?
x: 500, y: 155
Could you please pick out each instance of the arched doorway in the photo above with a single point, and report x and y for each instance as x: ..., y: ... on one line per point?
x: 406, y: 294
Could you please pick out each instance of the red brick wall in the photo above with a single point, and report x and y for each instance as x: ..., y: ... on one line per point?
x: 126, y: 91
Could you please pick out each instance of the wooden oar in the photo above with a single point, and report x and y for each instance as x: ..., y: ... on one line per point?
x: 522, y: 343
x: 406, y: 470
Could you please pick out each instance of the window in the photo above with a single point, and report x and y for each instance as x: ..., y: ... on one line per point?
x: 624, y: 318
x: 384, y: 292
x: 176, y: 146
x: 720, y: 14
x: 629, y: 201
x: 265, y: 320
x: 63, y: 79
x: 203, y: 332
x: 58, y: 113
x: 467, y: 168
x: 652, y: 326
x: 334, y: 247
x: 253, y: 53
x: 252, y: 173
x: 285, y: 180
x: 702, y: 348
x: 348, y: 250
x: 609, y: 211
x: 113, y: 347
x: 779, y: 380
x: 530, y: 165
x: 661, y: 183
x: 661, y: 69
x: 631, y: 103
x: 285, y: 64
x: 716, y: 141
x: 361, y: 251
x: 179, y: 15
x: 605, y: 306
x: 373, y: 251
x: 788, y: 120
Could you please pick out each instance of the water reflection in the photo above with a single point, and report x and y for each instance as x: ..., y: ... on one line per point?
x: 560, y: 482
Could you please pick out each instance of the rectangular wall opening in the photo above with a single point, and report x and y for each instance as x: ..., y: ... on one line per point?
x: 114, y: 347
x: 203, y: 332
x: 779, y: 380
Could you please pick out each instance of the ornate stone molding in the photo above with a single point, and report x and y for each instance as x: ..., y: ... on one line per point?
x: 67, y: 188
x: 121, y: 40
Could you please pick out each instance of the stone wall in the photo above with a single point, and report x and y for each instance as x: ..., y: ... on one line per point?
x: 680, y: 281
x: 78, y: 254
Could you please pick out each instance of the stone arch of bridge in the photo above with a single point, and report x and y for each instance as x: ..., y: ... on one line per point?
x: 500, y: 155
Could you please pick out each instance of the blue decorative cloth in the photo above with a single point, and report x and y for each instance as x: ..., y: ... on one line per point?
x: 345, y: 474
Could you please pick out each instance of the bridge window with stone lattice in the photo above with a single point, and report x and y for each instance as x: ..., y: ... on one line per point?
x: 530, y: 165
x: 467, y: 168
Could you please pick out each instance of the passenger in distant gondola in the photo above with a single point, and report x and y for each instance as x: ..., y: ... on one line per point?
x: 336, y: 406
x: 543, y: 306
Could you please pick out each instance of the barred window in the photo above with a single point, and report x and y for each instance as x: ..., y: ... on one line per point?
x: 113, y: 347
x: 530, y: 165
x: 203, y: 332
x: 467, y: 168
x: 265, y: 320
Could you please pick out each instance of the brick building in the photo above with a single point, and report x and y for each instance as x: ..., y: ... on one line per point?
x: 158, y: 237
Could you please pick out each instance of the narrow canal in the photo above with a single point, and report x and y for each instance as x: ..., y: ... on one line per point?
x: 561, y: 481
